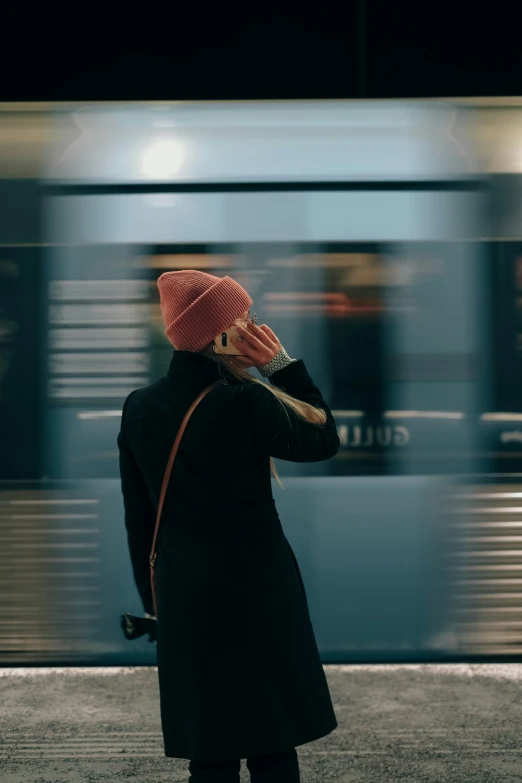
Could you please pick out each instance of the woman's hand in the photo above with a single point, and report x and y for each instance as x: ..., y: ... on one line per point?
x: 259, y: 344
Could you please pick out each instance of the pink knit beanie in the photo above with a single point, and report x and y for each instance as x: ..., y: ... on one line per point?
x: 197, y: 306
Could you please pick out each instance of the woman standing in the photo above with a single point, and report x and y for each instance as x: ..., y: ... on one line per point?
x: 238, y: 666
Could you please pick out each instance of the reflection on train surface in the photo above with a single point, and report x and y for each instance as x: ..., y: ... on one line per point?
x: 382, y: 243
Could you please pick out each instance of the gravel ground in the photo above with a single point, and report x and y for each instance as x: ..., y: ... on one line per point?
x: 408, y: 723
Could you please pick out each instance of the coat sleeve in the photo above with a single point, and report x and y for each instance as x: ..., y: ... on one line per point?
x: 277, y: 430
x: 140, y: 517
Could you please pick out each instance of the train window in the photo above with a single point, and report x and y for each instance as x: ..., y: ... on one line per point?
x: 365, y: 316
x: 391, y: 332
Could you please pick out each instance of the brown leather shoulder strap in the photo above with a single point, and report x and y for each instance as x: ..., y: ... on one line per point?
x: 170, y: 463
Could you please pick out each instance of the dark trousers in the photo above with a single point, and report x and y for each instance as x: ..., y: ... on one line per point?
x: 274, y: 768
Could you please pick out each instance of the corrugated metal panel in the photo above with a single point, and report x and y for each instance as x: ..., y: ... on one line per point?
x: 49, y: 575
x: 487, y: 570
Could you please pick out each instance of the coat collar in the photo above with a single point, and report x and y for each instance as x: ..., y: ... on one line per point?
x: 198, y: 366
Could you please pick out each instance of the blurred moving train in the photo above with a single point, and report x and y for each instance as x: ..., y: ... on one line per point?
x: 382, y: 241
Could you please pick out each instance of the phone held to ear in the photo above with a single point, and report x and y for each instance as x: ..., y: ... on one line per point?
x: 223, y: 343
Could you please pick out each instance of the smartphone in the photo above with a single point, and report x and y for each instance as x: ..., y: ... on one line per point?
x: 223, y: 343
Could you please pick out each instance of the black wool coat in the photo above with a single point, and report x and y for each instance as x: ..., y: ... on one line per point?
x: 238, y: 666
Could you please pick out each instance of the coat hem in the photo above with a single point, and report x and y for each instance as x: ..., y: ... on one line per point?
x: 171, y: 752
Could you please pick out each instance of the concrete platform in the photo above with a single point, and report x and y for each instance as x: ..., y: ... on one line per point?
x: 407, y: 723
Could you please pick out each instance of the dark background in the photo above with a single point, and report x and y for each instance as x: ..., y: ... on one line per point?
x: 359, y: 49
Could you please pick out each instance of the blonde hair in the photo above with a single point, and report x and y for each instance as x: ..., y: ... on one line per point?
x: 305, y: 410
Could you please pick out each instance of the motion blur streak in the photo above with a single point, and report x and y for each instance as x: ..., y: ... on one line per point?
x: 382, y: 242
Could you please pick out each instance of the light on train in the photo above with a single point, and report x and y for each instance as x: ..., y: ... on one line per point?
x: 162, y: 159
